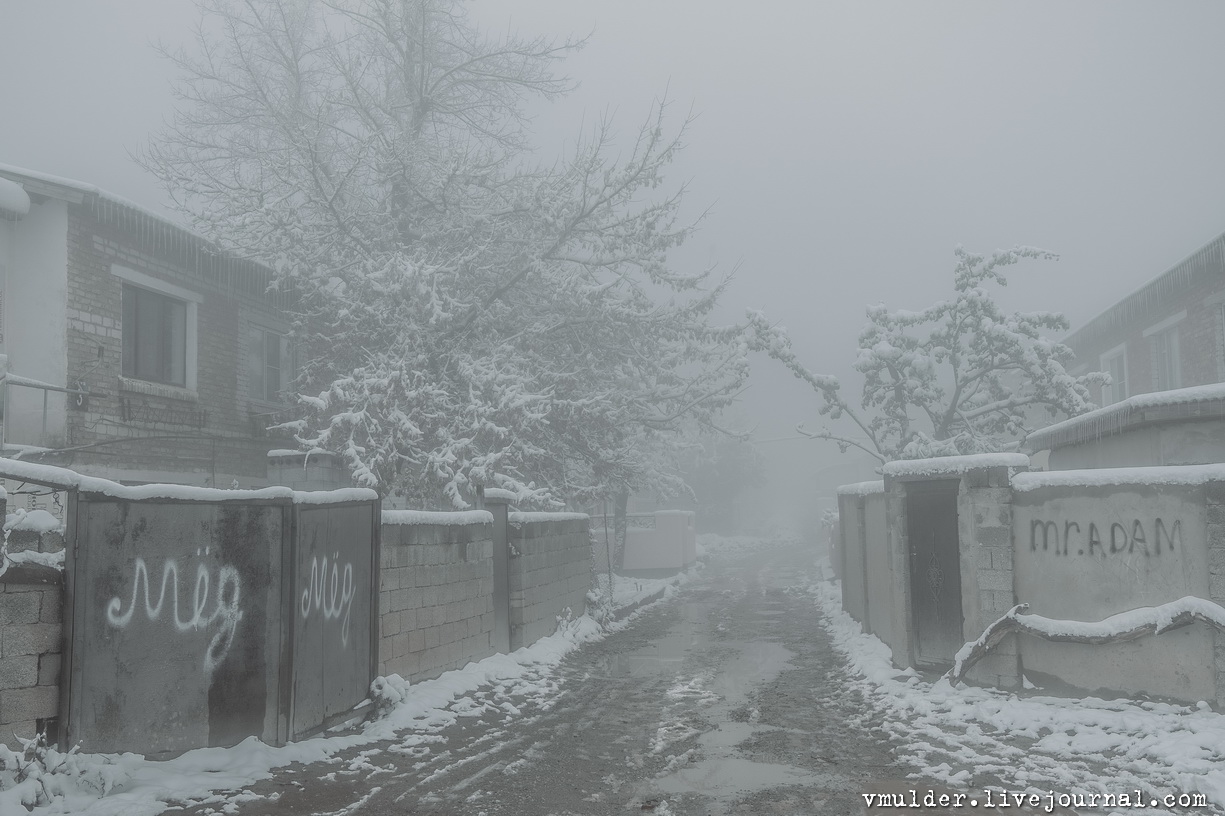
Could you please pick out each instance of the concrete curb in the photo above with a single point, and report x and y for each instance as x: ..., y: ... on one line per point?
x: 625, y: 611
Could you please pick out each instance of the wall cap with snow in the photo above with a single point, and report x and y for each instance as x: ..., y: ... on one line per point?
x: 64, y: 479
x: 952, y: 465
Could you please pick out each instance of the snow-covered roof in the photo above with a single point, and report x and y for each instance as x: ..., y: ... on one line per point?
x: 48, y: 184
x: 953, y: 465
x: 1160, y: 406
x: 14, y: 202
x: 251, y: 275
x: 1115, y: 477
x: 1204, y: 264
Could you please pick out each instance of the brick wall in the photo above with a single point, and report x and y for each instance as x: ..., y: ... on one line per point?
x: 119, y: 410
x: 436, y: 594
x: 1198, y: 287
x: 550, y: 572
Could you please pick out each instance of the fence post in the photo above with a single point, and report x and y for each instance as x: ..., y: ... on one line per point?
x: 500, y: 508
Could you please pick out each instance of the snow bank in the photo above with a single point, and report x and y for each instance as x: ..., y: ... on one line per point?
x: 1110, y: 477
x: 952, y: 465
x: 1033, y: 743
x: 862, y: 488
x: 442, y: 518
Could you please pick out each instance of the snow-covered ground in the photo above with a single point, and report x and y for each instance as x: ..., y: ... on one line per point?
x: 131, y: 785
x: 968, y: 736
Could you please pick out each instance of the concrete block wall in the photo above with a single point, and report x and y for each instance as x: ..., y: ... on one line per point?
x: 435, y: 595
x: 550, y: 572
x: 984, y: 520
x: 31, y: 636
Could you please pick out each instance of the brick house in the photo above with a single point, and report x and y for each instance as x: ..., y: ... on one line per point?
x: 1164, y: 347
x: 133, y: 349
x: 1168, y: 334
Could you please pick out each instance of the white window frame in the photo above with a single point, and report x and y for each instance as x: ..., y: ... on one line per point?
x: 288, y: 369
x: 1112, y: 393
x: 192, y: 301
x: 1166, y: 330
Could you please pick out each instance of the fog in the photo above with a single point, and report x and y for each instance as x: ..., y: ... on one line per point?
x: 840, y: 150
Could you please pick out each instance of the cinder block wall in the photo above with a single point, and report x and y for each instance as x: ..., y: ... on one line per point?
x: 31, y: 638
x: 984, y: 520
x: 550, y: 572
x: 436, y: 593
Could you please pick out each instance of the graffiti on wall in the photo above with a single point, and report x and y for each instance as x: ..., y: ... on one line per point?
x: 212, y: 602
x: 330, y: 591
x: 1115, y: 538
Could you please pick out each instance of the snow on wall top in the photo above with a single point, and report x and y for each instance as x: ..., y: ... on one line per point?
x: 862, y: 488
x: 37, y: 520
x: 675, y: 513
x: 953, y: 465
x: 501, y: 493
x: 1116, y: 417
x: 1109, y: 477
x: 441, y: 518
x: 532, y: 518
x: 1160, y: 616
x: 68, y: 479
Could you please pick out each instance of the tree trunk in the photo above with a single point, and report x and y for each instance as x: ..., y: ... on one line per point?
x: 620, y: 503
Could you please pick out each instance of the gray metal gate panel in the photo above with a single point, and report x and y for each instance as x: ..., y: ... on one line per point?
x: 174, y: 611
x: 332, y: 611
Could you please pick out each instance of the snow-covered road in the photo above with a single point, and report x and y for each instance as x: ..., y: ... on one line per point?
x: 726, y: 699
x: 748, y: 691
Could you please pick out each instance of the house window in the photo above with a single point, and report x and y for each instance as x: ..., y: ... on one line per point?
x: 1165, y: 359
x: 1114, y: 363
x: 154, y: 336
x: 269, y: 364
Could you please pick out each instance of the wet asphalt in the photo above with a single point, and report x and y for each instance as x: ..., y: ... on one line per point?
x: 727, y: 699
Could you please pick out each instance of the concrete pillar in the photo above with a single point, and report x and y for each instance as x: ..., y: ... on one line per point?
x: 500, y: 508
x: 984, y: 520
x: 1214, y: 498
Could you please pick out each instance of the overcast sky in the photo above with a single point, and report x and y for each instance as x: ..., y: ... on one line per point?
x: 845, y: 148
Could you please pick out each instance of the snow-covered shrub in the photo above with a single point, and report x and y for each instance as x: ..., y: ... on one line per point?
x: 40, y: 773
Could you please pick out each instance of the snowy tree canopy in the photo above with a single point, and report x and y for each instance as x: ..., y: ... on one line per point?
x: 464, y: 317
x: 959, y: 377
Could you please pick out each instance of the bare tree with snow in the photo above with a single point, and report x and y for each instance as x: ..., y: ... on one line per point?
x: 958, y: 377
x: 464, y: 317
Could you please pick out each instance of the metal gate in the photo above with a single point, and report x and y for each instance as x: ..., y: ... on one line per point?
x: 335, y: 627
x: 935, y: 570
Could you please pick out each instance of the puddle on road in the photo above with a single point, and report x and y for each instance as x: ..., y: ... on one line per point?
x: 722, y: 774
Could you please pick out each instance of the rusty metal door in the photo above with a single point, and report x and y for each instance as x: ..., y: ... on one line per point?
x: 334, y: 611
x: 935, y: 571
